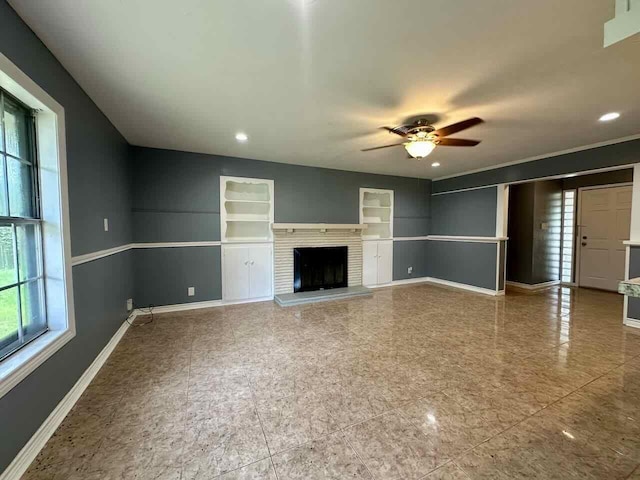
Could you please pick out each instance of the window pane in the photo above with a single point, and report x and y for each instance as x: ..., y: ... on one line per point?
x: 16, y: 129
x: 20, y: 189
x: 8, y: 274
x: 28, y: 241
x: 3, y: 190
x: 8, y: 317
x: 33, y: 321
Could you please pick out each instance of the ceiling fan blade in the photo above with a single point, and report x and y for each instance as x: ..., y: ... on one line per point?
x: 400, y: 130
x: 457, y: 142
x: 458, y: 127
x: 384, y: 146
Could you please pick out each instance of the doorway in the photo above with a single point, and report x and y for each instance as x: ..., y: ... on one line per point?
x: 604, y: 222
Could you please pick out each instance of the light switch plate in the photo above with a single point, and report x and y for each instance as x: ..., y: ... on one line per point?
x: 191, y: 291
x: 129, y: 304
x: 106, y: 224
x: 410, y: 270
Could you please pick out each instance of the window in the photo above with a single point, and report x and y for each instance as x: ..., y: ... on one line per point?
x: 22, y: 316
x: 568, y: 232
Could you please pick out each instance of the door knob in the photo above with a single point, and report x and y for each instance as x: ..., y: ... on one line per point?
x: 251, y: 262
x: 584, y: 237
x: 584, y: 244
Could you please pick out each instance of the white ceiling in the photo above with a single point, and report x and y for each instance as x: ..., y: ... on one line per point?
x: 310, y: 81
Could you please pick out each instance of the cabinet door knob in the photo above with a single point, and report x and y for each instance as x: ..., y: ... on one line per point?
x: 251, y: 262
x: 246, y: 262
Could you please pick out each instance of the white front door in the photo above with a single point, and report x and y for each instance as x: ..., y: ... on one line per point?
x: 605, y: 221
x: 260, y: 272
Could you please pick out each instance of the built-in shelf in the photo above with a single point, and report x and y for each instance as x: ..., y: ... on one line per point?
x: 246, y: 209
x: 376, y: 211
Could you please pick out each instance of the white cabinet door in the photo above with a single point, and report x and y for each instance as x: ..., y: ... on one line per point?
x: 236, y: 273
x: 385, y: 262
x: 261, y: 271
x: 369, y: 263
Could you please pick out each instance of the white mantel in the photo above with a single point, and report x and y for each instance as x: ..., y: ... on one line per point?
x: 323, y: 227
x: 287, y: 236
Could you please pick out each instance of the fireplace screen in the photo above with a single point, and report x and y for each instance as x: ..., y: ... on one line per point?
x: 319, y: 268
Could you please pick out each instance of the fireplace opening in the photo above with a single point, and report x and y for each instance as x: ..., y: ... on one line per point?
x: 319, y: 268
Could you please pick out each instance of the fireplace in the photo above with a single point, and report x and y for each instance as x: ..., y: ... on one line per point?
x: 319, y: 268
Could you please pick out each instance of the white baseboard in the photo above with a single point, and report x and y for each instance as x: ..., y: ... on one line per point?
x: 535, y: 286
x: 632, y: 322
x: 30, y: 451
x: 179, y: 307
x: 464, y: 286
x: 406, y: 281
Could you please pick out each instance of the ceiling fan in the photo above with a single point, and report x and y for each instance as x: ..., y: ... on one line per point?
x: 423, y: 137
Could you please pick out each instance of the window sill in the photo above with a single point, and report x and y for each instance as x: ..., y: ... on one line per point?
x: 19, y: 365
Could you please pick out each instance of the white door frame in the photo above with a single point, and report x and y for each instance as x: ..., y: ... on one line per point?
x: 578, y: 227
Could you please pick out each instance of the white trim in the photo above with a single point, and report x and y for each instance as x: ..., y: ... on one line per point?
x: 462, y: 238
x: 318, y: 226
x: 608, y: 185
x: 29, y: 452
x: 180, y: 307
x: 632, y: 322
x: 635, y: 205
x: 405, y: 281
x: 625, y: 304
x: 408, y: 239
x: 537, y: 179
x: 176, y: 244
x: 542, y: 157
x: 89, y: 257
x: 22, y: 363
x: 535, y: 286
x: 55, y: 225
x: 631, y: 243
x: 464, y: 286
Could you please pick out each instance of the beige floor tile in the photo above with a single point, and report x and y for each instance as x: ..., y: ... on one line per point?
x: 426, y: 381
x: 393, y: 448
x: 328, y: 458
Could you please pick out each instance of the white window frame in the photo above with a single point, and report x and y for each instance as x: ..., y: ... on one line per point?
x: 56, y: 236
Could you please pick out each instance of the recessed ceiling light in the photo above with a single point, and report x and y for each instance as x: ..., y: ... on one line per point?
x: 242, y: 137
x: 435, y: 164
x: 607, y: 117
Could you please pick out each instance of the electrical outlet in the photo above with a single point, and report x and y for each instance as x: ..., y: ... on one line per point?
x: 191, y: 291
x: 129, y: 304
x: 106, y: 224
x: 410, y: 270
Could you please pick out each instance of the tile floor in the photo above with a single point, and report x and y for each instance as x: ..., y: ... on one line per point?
x: 416, y: 382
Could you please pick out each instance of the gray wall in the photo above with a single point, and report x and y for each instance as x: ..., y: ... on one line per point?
x: 467, y: 213
x: 593, y: 179
x: 608, y: 156
x: 99, y: 187
x: 534, y: 252
x: 470, y: 213
x: 177, y: 199
x: 520, y: 233
x: 464, y: 262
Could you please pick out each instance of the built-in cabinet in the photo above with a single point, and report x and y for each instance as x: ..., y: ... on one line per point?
x: 247, y: 271
x: 377, y: 262
x: 376, y: 211
x: 246, y: 215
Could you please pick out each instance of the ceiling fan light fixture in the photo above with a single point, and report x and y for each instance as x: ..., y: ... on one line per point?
x: 419, y: 148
